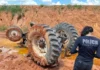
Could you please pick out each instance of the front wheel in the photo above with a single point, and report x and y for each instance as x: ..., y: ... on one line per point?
x: 14, y: 33
x: 43, y: 45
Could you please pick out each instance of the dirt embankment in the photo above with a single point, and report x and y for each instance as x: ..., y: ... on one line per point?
x: 53, y: 15
x: 17, y: 62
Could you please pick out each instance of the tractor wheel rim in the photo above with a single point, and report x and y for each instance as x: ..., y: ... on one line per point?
x: 63, y: 34
x: 13, y: 33
x: 40, y: 51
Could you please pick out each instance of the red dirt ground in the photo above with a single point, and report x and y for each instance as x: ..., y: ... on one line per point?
x: 15, y: 61
x: 51, y: 16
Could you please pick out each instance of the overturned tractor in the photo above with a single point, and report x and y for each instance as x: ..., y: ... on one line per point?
x: 44, y: 43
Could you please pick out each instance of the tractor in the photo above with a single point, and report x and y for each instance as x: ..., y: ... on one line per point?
x: 45, y: 44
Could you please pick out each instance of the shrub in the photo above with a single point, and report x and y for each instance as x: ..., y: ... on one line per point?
x: 3, y: 27
x: 69, y: 6
x: 74, y: 6
x: 13, y: 9
x: 77, y: 6
x: 42, y: 5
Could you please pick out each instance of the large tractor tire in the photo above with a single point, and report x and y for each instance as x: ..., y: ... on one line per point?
x: 68, y: 32
x: 14, y: 33
x: 43, y: 45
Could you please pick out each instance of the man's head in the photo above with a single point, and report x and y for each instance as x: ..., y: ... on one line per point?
x: 86, y: 30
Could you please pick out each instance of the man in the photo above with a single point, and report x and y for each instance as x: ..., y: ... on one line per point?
x: 87, y: 47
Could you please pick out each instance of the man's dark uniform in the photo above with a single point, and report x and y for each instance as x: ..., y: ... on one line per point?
x: 88, y: 48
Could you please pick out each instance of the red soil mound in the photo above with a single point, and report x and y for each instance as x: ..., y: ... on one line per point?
x: 53, y: 15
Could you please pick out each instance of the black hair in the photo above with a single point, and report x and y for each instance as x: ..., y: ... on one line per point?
x: 86, y: 30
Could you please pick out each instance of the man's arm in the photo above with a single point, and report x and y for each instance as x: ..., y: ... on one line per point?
x: 97, y: 55
x: 74, y: 48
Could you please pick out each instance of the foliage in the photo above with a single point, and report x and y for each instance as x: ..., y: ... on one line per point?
x: 3, y: 27
x: 42, y: 5
x: 69, y: 6
x: 74, y: 6
x: 13, y: 9
x: 77, y: 6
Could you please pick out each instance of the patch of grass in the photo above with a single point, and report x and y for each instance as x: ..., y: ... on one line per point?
x: 3, y: 27
x: 13, y: 9
x: 77, y: 6
x: 69, y: 6
x: 42, y: 5
x: 74, y: 6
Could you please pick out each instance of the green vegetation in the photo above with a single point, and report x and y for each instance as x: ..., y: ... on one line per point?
x: 74, y: 6
x: 77, y: 6
x: 42, y: 5
x: 69, y: 6
x: 13, y: 9
x: 3, y: 27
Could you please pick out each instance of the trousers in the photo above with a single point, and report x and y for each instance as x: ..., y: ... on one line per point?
x: 82, y: 65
